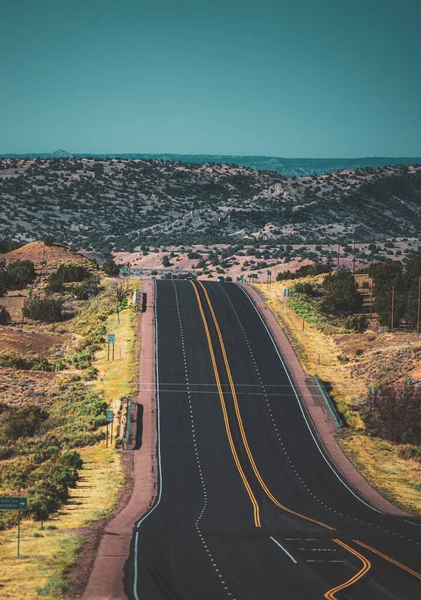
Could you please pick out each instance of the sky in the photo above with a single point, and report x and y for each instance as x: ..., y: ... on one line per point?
x: 290, y: 78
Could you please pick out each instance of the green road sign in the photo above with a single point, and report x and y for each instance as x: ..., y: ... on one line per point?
x: 13, y: 503
x: 111, y: 338
x: 109, y: 416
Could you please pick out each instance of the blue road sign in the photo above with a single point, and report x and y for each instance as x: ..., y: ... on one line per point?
x: 111, y: 338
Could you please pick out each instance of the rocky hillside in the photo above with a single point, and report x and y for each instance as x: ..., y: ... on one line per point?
x: 121, y: 204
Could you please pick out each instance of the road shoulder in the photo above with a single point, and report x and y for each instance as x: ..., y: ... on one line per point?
x: 106, y: 579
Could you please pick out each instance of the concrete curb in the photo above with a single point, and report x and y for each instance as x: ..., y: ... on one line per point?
x: 323, y: 425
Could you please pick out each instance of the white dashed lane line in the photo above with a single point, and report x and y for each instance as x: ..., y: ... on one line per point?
x: 202, y: 480
x: 337, y: 512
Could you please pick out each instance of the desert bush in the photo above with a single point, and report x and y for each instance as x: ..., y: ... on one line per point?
x: 54, y: 283
x: 357, y: 323
x: 408, y: 451
x: 70, y: 272
x: 110, y: 268
x: 20, y: 273
x: 85, y: 290
x: 302, y: 288
x: 21, y: 422
x: 119, y: 290
x: 4, y: 316
x: 49, y: 240
x: 342, y: 358
x: 393, y: 412
x: 26, y: 363
x: 43, y: 308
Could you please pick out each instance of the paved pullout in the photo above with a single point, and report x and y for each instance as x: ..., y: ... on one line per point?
x: 249, y: 507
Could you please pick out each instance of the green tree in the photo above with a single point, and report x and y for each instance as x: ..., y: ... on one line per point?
x: 341, y: 293
x: 385, y: 277
x: 110, y: 268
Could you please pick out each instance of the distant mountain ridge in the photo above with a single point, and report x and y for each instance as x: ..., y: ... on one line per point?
x: 118, y: 205
x: 287, y: 167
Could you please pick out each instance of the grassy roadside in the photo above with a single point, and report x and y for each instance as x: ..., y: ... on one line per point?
x: 396, y: 478
x: 47, y: 554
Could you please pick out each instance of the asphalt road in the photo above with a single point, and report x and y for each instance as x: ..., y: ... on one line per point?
x: 249, y: 508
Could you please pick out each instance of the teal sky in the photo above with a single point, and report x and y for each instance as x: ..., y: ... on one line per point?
x: 292, y: 78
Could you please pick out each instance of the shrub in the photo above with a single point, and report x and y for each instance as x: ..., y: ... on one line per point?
x: 12, y: 360
x: 21, y: 273
x: 4, y: 316
x: 365, y: 285
x: 357, y: 323
x: 22, y: 422
x: 49, y: 240
x: 342, y: 358
x: 85, y: 290
x: 69, y: 272
x: 110, y: 268
x: 358, y: 351
x: 302, y: 288
x: 43, y: 308
x: 393, y: 412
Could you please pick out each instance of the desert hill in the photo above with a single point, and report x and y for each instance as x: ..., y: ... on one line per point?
x: 114, y: 204
x: 47, y: 257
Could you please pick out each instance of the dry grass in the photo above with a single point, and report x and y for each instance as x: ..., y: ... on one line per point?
x: 45, y: 559
x: 317, y: 351
x: 48, y: 556
x: 396, y: 478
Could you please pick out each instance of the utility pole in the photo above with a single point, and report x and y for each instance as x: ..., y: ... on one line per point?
x: 419, y: 305
x: 353, y: 254
x: 338, y: 253
x: 393, y: 309
x: 371, y: 300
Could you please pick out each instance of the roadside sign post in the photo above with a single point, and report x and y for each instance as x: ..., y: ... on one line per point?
x: 14, y: 503
x: 118, y: 314
x: 111, y: 341
x: 109, y: 416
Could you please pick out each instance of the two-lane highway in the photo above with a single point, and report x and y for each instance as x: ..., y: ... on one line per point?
x: 248, y: 505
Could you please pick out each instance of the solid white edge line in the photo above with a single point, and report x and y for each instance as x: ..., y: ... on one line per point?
x: 301, y: 408
x: 411, y: 523
x: 158, y: 415
x: 282, y: 548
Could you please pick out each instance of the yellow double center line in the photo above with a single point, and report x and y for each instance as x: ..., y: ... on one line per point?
x: 238, y: 414
x: 256, y: 510
x: 330, y: 595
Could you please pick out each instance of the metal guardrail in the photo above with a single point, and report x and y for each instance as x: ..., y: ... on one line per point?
x: 328, y: 402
